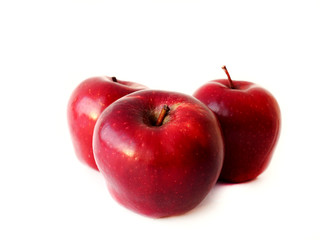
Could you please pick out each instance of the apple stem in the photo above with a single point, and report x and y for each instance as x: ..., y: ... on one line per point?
x: 229, y: 78
x: 114, y: 79
x: 163, y: 113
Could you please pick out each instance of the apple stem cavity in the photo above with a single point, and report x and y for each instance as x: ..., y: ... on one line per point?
x: 114, y: 79
x: 229, y: 78
x: 163, y: 113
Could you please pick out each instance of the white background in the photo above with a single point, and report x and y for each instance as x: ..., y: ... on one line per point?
x: 48, y: 48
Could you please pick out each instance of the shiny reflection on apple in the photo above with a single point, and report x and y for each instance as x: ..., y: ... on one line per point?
x: 89, y: 108
x: 119, y: 142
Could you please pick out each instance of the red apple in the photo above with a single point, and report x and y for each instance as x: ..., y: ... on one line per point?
x: 250, y: 120
x: 160, y: 152
x: 86, y: 103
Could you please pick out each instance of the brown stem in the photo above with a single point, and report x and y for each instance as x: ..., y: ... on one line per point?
x: 229, y: 78
x: 163, y: 113
x: 114, y: 79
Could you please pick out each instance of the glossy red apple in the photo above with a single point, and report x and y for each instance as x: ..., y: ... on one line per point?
x: 160, y: 152
x: 86, y: 103
x: 250, y: 120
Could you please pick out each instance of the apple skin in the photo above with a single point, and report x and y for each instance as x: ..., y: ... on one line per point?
x: 250, y: 121
x: 158, y: 171
x: 85, y: 105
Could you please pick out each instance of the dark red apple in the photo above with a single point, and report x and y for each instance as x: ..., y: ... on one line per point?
x: 250, y: 120
x: 160, y: 152
x: 86, y: 103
